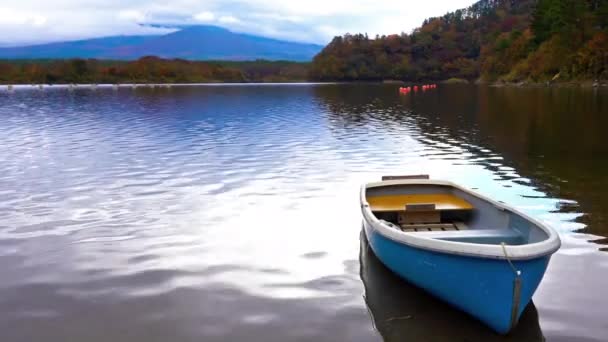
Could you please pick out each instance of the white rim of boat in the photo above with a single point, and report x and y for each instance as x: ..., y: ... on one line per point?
x: 515, y: 252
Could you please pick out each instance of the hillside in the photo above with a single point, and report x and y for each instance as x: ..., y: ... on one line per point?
x: 508, y: 40
x: 192, y: 43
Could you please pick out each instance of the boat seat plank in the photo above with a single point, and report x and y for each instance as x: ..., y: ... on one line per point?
x: 470, y: 233
x: 419, y: 217
x: 460, y: 226
x: 431, y: 226
x: 385, y: 178
x: 400, y: 202
x: 508, y: 236
x: 439, y: 227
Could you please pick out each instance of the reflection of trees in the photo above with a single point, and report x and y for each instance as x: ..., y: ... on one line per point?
x: 557, y: 137
x: 554, y: 136
x: 403, y: 312
x: 356, y: 104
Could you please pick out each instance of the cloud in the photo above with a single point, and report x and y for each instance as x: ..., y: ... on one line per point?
x: 228, y: 19
x: 328, y: 30
x: 204, y: 16
x: 277, y: 17
x: 132, y: 15
x: 317, y: 21
x: 10, y: 17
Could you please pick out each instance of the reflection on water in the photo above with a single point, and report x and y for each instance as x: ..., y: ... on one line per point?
x: 555, y: 137
x: 403, y: 312
x: 231, y: 212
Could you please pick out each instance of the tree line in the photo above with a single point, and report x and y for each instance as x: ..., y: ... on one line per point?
x: 148, y: 70
x: 509, y: 40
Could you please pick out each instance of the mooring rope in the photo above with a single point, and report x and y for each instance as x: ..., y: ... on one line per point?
x: 504, y: 250
x: 516, y: 288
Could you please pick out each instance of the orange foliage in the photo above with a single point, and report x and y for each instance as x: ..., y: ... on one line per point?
x: 592, y: 59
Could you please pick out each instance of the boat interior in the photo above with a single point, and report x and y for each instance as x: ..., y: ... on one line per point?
x: 448, y: 213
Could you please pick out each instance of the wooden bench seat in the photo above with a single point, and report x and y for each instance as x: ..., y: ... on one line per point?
x: 399, y: 202
x: 488, y: 236
x: 432, y: 227
x: 418, y: 208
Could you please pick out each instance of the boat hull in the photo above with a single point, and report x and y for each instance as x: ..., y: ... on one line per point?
x: 481, y: 287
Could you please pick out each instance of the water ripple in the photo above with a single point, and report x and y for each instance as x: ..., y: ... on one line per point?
x: 219, y: 212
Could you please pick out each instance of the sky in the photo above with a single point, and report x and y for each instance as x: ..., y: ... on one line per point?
x: 25, y: 22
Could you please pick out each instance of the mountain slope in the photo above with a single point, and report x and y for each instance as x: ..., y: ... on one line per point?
x: 194, y: 43
x: 209, y: 42
x: 507, y: 40
x: 88, y: 48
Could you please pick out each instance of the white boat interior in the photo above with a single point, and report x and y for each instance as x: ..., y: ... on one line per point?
x: 446, y: 212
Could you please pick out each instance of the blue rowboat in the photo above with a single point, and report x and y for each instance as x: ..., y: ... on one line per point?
x: 401, y: 311
x: 479, y: 255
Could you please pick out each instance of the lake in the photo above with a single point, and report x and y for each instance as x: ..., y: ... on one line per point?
x: 231, y: 213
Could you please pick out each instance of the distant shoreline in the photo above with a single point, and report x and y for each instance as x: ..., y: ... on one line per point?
x: 568, y: 84
x: 148, y: 71
x: 523, y: 84
x: 147, y: 85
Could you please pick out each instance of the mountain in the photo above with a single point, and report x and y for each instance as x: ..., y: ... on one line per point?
x: 89, y: 48
x: 492, y: 40
x: 192, y: 42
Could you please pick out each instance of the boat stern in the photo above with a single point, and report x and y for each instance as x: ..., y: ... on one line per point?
x: 490, y: 290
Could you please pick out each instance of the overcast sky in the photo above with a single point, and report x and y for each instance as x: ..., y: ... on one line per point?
x: 317, y: 21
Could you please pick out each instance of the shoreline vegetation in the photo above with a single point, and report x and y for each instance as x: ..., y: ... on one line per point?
x: 148, y: 70
x: 520, y: 43
x: 127, y: 84
x: 492, y: 41
x: 155, y: 72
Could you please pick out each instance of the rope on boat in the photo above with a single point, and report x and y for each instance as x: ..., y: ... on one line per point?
x: 504, y: 250
x: 516, y: 287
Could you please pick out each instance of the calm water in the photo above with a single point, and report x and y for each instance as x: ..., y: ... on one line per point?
x: 231, y: 213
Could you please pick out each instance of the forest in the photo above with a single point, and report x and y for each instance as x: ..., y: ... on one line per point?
x: 492, y: 40
x: 148, y: 70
